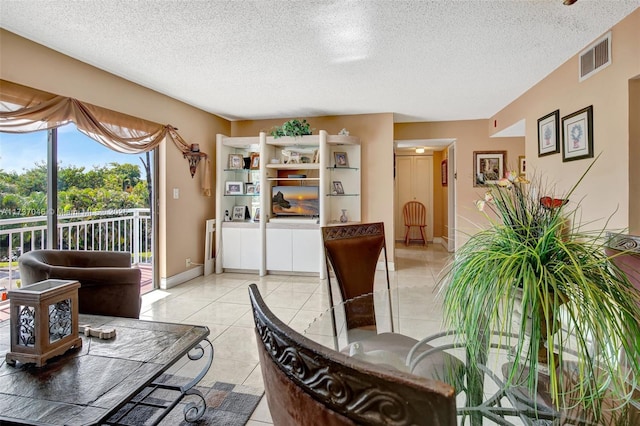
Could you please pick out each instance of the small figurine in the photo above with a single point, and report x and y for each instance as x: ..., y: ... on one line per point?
x: 343, y: 132
x: 100, y: 333
x: 226, y: 216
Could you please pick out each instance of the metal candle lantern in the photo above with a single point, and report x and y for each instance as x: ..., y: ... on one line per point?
x: 44, y: 321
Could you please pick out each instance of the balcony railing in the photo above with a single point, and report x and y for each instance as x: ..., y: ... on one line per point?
x: 112, y: 230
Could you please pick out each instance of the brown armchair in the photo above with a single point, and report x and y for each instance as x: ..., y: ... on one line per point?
x: 307, y: 383
x: 108, y: 283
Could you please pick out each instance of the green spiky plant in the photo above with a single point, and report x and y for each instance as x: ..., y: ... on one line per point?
x: 293, y: 128
x: 534, y: 258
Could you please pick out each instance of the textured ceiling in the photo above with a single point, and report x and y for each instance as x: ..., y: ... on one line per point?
x: 421, y: 60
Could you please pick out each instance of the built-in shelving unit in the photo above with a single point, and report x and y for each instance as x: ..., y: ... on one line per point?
x: 286, y: 238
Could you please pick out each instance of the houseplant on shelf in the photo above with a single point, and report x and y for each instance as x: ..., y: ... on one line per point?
x: 293, y: 128
x: 534, y: 257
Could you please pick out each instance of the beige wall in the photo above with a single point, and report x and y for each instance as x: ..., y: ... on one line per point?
x: 606, y: 189
x: 470, y: 136
x: 376, y: 137
x: 181, y: 221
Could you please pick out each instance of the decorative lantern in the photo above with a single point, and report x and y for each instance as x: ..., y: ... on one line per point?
x: 44, y: 321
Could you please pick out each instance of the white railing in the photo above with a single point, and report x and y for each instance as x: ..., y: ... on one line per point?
x: 111, y: 230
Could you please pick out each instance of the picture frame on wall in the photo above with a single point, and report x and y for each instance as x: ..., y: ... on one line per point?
x: 549, y: 134
x: 236, y: 161
x: 234, y: 188
x: 341, y: 159
x: 577, y: 135
x: 522, y: 165
x: 444, y: 170
x: 488, y: 167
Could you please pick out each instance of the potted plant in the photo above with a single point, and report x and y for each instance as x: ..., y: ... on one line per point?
x: 293, y: 128
x: 536, y: 258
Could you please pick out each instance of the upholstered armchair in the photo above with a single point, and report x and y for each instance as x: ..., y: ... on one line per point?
x: 108, y: 283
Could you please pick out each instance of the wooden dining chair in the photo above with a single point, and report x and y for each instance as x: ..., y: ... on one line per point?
x: 353, y: 253
x: 415, y: 216
x: 307, y: 383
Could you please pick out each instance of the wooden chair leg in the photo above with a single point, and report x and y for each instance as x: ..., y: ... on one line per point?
x: 424, y: 237
x: 406, y: 236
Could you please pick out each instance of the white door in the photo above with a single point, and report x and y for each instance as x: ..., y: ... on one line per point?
x: 414, y: 182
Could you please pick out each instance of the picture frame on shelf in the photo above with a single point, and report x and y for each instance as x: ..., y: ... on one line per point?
x: 338, y: 188
x: 255, y: 161
x: 256, y: 215
x: 250, y: 189
x: 577, y: 135
x: 444, y: 170
x: 316, y: 156
x: 522, y: 166
x: 341, y: 159
x: 236, y: 162
x: 239, y: 213
x: 549, y: 134
x: 234, y: 188
x: 488, y: 167
x: 257, y: 188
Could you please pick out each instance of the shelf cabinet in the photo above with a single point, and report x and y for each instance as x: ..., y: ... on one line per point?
x: 329, y: 165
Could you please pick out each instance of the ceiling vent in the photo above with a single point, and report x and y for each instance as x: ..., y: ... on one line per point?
x: 595, y: 57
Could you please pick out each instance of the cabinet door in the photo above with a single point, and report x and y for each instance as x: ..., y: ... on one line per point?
x: 250, y: 244
x: 306, y: 250
x: 414, y: 182
x: 231, y: 248
x: 279, y: 253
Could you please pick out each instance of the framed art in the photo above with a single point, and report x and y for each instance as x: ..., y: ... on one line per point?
x: 341, y: 159
x: 337, y: 187
x: 577, y: 135
x: 444, y: 168
x: 257, y: 188
x: 233, y: 188
x: 522, y: 165
x: 236, y: 161
x: 256, y: 215
x: 255, y: 161
x: 250, y: 189
x: 488, y: 167
x: 239, y: 213
x: 549, y: 134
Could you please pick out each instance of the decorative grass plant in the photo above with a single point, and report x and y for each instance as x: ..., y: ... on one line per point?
x: 293, y: 128
x: 535, y: 258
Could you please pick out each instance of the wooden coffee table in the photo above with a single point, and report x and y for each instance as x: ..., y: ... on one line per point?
x: 88, y: 385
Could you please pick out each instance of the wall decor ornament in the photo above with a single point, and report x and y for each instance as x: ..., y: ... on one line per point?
x: 444, y: 169
x: 577, y: 135
x: 548, y: 134
x: 488, y: 167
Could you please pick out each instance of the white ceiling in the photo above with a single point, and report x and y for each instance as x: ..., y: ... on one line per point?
x: 421, y: 60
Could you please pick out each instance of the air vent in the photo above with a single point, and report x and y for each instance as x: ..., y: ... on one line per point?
x: 595, y: 57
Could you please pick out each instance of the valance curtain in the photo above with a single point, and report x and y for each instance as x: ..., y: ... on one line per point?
x: 24, y: 109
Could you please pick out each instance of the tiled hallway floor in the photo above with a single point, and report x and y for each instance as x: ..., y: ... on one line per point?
x: 221, y: 302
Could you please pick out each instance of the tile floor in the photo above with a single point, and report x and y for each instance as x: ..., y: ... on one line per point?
x: 221, y: 302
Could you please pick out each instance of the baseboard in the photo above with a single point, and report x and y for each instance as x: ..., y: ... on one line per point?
x: 167, y: 283
x: 437, y: 240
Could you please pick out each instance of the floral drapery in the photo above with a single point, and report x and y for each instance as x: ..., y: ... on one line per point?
x: 24, y: 109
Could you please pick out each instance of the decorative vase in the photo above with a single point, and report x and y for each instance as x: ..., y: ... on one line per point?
x: 343, y: 217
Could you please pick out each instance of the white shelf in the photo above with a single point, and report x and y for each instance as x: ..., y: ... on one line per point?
x: 295, y: 179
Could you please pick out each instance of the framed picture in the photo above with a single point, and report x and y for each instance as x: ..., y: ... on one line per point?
x: 337, y: 187
x: 250, y: 189
x: 236, y: 161
x: 549, y: 134
x: 577, y: 135
x: 488, y: 167
x: 255, y: 161
x: 256, y: 215
x: 238, y: 213
x: 444, y: 169
x: 522, y: 165
x: 341, y: 159
x: 233, y: 188
x: 257, y: 188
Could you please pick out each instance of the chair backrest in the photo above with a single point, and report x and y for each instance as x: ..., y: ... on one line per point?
x: 307, y: 383
x: 415, y: 214
x: 353, y: 252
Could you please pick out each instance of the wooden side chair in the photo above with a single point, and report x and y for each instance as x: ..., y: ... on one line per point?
x: 307, y: 383
x: 415, y: 216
